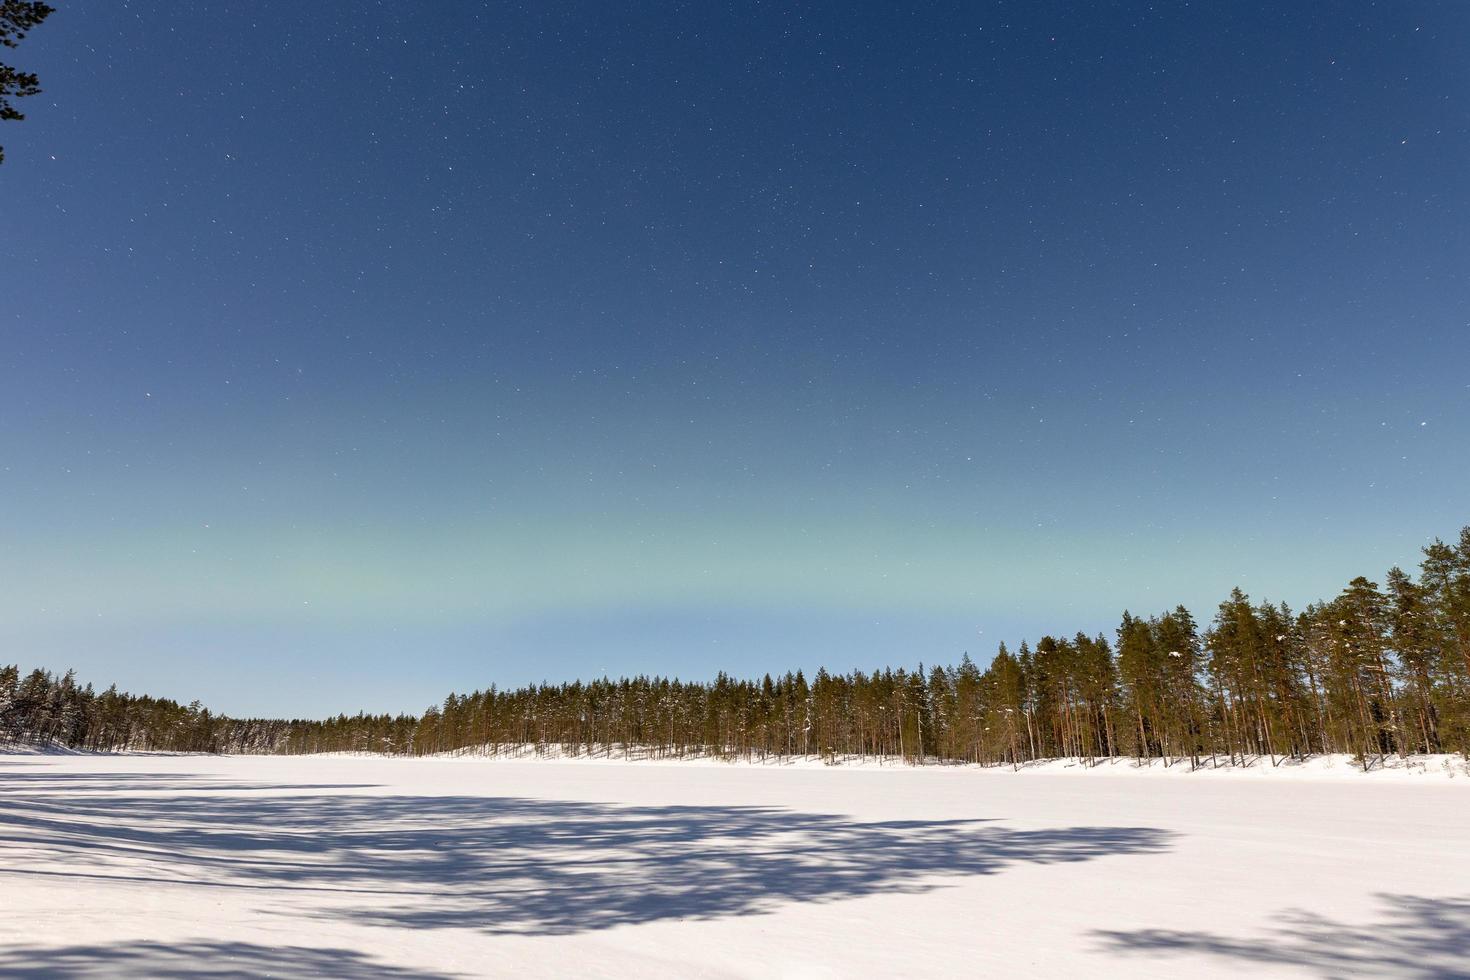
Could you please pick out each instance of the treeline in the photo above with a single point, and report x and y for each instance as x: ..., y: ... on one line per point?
x: 1377, y: 671
x: 44, y: 709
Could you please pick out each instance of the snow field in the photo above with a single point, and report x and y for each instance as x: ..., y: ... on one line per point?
x: 381, y: 867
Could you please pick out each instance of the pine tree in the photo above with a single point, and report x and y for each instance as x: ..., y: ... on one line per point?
x: 17, y: 18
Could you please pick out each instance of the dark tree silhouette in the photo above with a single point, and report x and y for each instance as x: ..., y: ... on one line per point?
x: 16, y: 18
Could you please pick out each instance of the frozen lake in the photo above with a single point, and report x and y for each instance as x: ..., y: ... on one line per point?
x: 174, y: 866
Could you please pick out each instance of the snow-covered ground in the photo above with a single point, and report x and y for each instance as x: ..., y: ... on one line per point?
x: 1389, y: 767
x: 190, y: 866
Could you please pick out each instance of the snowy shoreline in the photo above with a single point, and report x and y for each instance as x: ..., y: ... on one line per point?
x: 1441, y: 767
x: 1446, y: 767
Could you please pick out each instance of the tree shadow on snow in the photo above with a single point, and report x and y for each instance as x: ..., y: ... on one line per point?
x: 517, y: 865
x: 1420, y: 938
x: 208, y: 960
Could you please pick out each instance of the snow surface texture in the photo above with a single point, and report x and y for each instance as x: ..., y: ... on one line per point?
x: 198, y: 866
x: 1445, y: 766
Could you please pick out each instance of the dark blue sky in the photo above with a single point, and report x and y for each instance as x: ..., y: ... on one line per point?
x: 356, y: 353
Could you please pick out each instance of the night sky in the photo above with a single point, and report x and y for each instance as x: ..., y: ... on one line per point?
x: 354, y: 353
